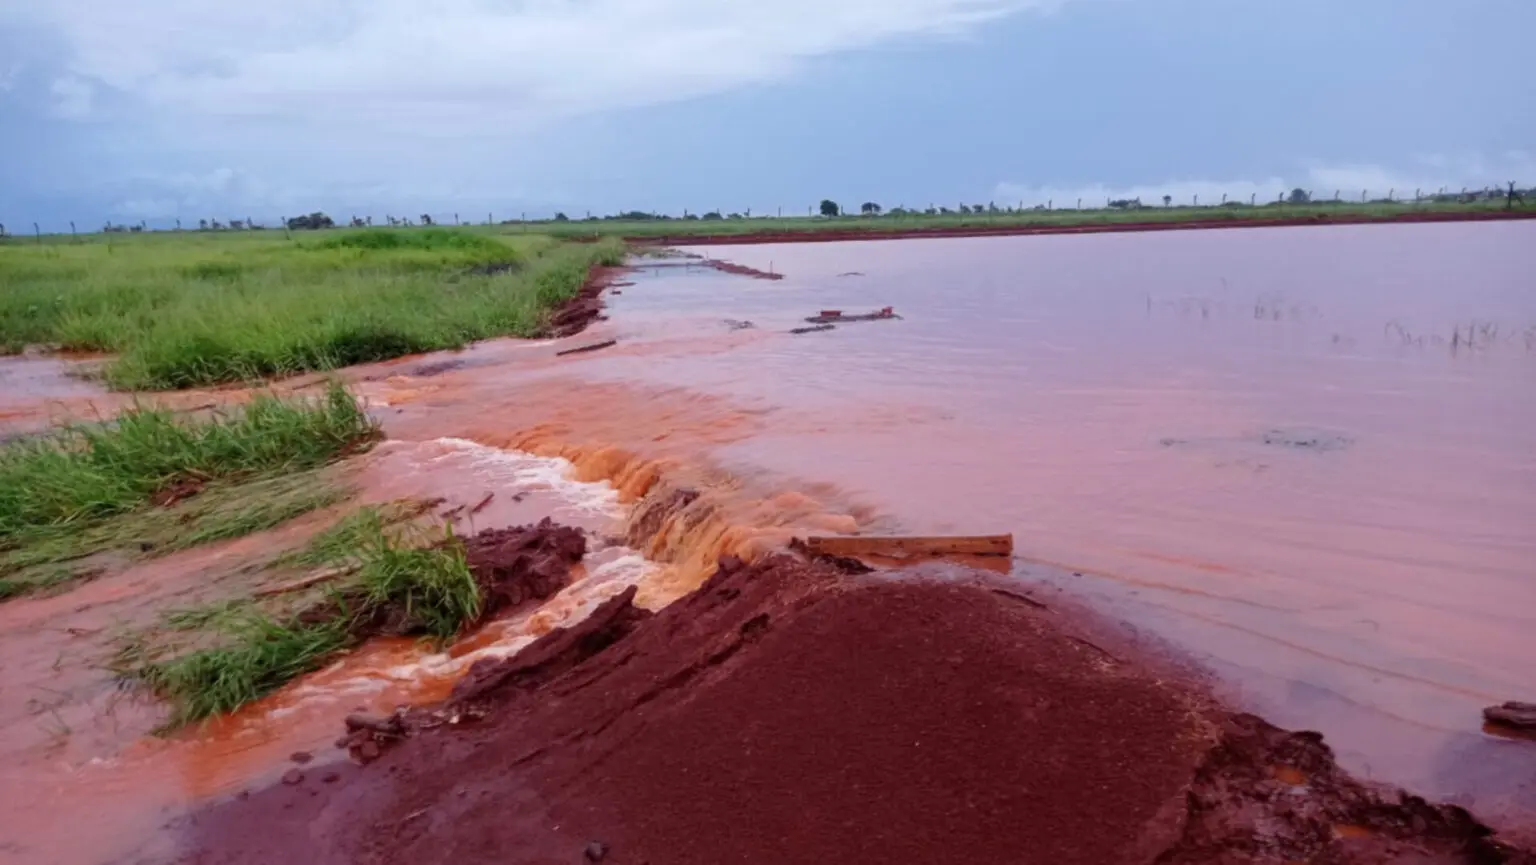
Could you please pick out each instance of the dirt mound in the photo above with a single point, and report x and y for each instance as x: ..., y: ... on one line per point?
x: 786, y: 713
x: 517, y: 565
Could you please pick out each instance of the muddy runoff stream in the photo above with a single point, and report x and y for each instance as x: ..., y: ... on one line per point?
x: 1302, y: 456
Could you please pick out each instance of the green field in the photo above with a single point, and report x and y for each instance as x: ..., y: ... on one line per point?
x: 186, y: 309
x: 730, y: 224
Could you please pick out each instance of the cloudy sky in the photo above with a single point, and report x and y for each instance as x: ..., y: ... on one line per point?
x: 158, y: 109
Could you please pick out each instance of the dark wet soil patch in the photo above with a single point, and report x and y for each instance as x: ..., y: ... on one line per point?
x: 788, y: 713
x: 575, y: 315
x: 518, y: 565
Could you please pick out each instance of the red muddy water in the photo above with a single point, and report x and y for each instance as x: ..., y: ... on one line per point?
x: 1306, y: 456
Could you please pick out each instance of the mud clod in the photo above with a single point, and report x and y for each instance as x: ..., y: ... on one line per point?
x: 293, y: 776
x: 518, y: 565
x: 597, y: 851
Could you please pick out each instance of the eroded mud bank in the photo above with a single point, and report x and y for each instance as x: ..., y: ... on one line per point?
x: 790, y: 713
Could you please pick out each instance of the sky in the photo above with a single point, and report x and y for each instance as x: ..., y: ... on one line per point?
x: 160, y: 110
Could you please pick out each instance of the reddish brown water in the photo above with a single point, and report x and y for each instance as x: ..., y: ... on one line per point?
x: 1273, y: 447
x: 1265, y: 446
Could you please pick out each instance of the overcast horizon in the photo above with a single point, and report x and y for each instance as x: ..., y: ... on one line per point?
x: 175, y: 109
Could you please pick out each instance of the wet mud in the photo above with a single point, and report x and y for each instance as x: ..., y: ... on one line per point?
x: 575, y: 315
x: 517, y: 566
x: 891, y: 232
x: 790, y: 713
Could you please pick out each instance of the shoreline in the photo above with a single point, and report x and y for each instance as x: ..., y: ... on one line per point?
x: 830, y: 234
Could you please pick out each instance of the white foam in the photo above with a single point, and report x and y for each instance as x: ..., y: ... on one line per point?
x: 529, y: 472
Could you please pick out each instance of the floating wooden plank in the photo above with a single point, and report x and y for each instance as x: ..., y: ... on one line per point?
x: 910, y: 547
x: 828, y: 316
x: 586, y: 348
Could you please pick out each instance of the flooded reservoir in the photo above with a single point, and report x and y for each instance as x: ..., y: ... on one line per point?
x: 1306, y: 457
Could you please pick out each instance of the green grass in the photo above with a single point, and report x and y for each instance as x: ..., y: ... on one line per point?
x: 238, y: 652
x: 218, y: 512
x: 258, y: 656
x: 190, y: 309
x: 1059, y: 217
x: 88, y: 473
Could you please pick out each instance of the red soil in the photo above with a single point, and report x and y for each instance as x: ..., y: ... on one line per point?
x: 574, y: 315
x: 789, y: 713
x: 516, y: 565
x: 884, y: 232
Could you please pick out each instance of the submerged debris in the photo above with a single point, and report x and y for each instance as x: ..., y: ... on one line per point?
x: 1306, y: 439
x: 830, y: 315
x: 1519, y: 716
x: 596, y: 346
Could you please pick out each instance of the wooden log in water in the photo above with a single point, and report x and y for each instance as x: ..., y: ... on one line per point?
x: 596, y: 346
x: 911, y: 547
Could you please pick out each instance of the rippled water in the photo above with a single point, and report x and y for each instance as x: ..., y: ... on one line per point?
x: 1308, y: 455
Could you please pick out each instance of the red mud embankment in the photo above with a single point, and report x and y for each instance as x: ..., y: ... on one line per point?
x: 576, y: 314
x: 883, y: 232
x: 790, y: 713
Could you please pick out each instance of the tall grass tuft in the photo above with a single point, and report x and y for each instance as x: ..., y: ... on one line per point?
x: 258, y: 657
x: 87, y: 473
x: 393, y: 587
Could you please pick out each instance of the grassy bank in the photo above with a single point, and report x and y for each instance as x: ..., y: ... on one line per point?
x: 187, y: 309
x: 151, y: 482
x: 392, y: 578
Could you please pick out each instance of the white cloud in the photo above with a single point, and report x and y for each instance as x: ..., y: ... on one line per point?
x: 1426, y: 173
x: 347, y: 60
x: 9, y: 76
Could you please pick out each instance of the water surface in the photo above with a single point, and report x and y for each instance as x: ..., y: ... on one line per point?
x: 1306, y: 455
